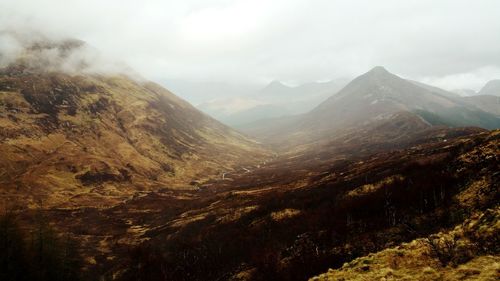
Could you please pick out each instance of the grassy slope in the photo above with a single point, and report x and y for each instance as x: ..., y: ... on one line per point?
x: 291, y: 221
x: 94, y: 140
x: 468, y: 252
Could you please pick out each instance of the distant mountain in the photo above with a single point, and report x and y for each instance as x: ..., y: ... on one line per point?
x: 491, y: 88
x: 465, y: 92
x: 96, y: 139
x: 488, y: 103
x: 374, y: 96
x: 487, y: 99
x: 200, y: 92
x: 274, y: 100
x: 275, y: 89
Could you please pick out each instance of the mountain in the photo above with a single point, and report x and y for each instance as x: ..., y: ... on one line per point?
x: 261, y: 111
x: 491, y: 88
x: 487, y: 99
x: 75, y: 139
x: 275, y: 89
x: 274, y: 100
x: 465, y: 92
x: 487, y: 103
x: 378, y: 93
x: 200, y: 92
x: 107, y: 176
x: 373, y: 97
x: 299, y: 99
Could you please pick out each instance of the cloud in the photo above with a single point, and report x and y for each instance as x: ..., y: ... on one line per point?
x: 474, y: 80
x: 10, y: 49
x: 293, y: 40
x: 35, y: 51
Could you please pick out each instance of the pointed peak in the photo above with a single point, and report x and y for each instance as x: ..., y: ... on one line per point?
x: 379, y: 70
x: 275, y: 85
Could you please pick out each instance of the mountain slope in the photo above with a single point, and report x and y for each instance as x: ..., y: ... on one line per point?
x: 89, y: 139
x: 306, y: 216
x: 468, y: 252
x: 465, y: 92
x: 487, y: 103
x: 377, y: 93
x: 491, y: 88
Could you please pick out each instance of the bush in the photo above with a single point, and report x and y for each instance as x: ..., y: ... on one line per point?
x: 40, y: 256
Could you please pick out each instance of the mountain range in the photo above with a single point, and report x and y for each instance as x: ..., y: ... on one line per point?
x: 376, y: 97
x: 274, y: 100
x: 379, y: 178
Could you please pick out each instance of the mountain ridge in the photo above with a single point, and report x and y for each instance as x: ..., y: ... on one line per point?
x: 373, y: 96
x: 98, y: 139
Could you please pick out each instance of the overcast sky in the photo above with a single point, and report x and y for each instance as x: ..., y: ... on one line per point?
x: 448, y: 43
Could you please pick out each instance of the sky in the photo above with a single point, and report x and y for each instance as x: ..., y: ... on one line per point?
x: 448, y: 43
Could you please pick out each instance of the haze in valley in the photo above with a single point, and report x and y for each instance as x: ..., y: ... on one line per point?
x: 244, y: 140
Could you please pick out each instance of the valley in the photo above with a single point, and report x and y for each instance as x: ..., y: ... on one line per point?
x: 316, y: 212
x: 150, y: 188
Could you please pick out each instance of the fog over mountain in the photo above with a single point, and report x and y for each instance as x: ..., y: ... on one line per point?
x: 297, y: 42
x: 373, y: 97
x: 491, y: 88
x: 273, y: 100
x: 249, y: 140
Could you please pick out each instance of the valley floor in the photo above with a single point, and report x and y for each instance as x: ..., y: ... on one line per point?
x: 290, y: 219
x: 113, y: 178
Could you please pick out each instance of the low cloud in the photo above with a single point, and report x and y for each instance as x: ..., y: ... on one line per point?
x: 473, y: 80
x: 446, y: 42
x: 34, y: 51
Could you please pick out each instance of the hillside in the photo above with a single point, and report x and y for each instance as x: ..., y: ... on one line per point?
x: 146, y: 187
x: 486, y: 103
x: 239, y: 140
x: 306, y: 216
x: 467, y: 252
x: 83, y: 139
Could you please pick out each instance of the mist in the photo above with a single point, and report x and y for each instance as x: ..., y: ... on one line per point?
x: 450, y: 44
x: 283, y: 140
x: 36, y: 51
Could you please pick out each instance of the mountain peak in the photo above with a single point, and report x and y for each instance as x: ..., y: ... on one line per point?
x: 275, y: 87
x: 379, y: 70
x: 275, y: 83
